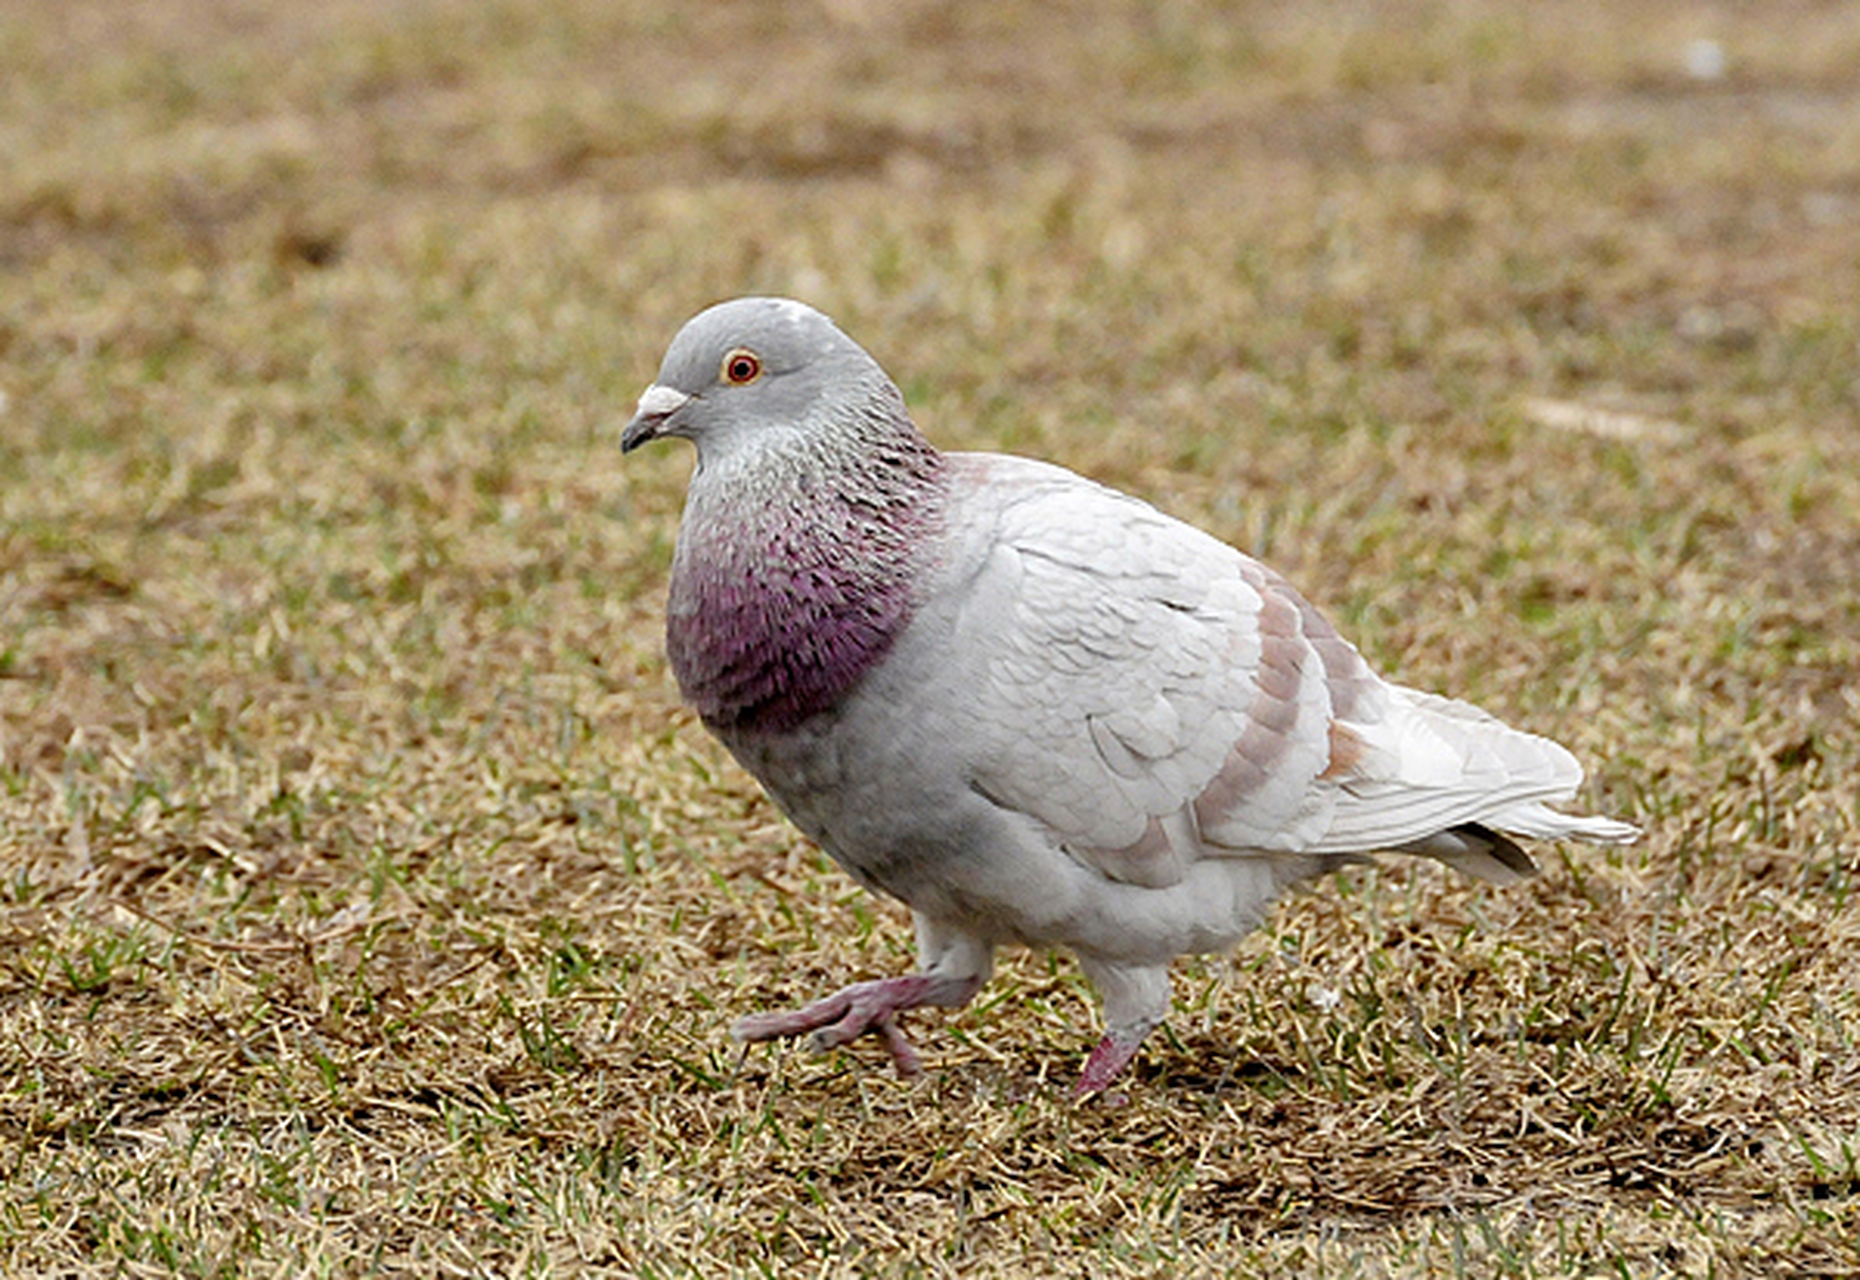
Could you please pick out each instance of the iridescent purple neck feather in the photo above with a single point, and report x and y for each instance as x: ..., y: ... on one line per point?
x: 795, y: 568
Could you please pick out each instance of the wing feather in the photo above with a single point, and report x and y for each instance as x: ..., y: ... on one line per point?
x: 1157, y: 689
x: 1156, y: 698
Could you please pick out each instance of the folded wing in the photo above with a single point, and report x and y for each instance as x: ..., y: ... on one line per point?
x: 1155, y: 697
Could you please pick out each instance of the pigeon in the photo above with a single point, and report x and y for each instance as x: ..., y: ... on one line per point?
x: 1035, y: 710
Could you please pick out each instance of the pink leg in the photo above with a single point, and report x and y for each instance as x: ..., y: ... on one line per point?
x: 1112, y: 1055
x: 861, y: 1009
x: 1136, y: 999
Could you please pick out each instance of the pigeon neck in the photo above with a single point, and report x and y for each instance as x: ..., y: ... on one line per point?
x: 793, y: 580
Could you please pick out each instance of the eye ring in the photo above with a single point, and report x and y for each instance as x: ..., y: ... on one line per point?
x: 741, y: 367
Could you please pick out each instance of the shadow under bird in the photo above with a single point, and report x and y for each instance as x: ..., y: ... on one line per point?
x: 1034, y: 709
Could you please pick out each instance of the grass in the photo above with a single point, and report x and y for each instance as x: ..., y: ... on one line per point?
x: 368, y: 904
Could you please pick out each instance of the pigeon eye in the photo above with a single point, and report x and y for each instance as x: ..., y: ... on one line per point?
x: 741, y: 366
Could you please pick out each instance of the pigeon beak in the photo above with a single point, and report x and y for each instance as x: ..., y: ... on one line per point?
x: 654, y: 414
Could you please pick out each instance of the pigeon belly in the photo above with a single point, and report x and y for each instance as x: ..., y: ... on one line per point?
x: 878, y: 786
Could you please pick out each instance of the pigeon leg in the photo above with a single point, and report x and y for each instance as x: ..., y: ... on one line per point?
x: 953, y: 965
x: 1112, y: 1055
x: 1136, y: 999
x: 861, y: 1009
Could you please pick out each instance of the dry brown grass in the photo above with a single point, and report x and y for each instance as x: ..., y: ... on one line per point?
x: 367, y: 902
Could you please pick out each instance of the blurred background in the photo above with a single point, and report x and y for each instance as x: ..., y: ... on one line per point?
x: 368, y: 896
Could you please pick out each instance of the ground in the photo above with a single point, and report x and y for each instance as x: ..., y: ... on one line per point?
x: 367, y: 902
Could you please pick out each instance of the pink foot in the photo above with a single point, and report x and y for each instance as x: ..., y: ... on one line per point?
x: 1111, y: 1056
x: 865, y: 1008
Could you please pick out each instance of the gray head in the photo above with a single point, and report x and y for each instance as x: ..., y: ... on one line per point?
x: 806, y: 519
x: 752, y: 368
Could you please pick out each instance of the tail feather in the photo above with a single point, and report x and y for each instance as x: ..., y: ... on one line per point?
x: 1541, y: 822
x: 1477, y: 851
x: 1452, y: 782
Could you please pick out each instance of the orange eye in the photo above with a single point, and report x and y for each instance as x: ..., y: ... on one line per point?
x: 742, y: 366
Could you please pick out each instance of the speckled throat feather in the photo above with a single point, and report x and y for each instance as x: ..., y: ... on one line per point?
x: 790, y: 584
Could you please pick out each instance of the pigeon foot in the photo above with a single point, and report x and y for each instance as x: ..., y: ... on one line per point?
x: 865, y: 1008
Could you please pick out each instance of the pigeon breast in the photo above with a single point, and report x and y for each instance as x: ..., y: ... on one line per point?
x: 792, y: 582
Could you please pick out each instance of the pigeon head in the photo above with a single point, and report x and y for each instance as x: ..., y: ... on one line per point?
x: 807, y: 519
x: 753, y: 372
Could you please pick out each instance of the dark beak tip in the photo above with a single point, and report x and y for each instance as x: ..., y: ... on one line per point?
x: 658, y: 407
x: 639, y: 431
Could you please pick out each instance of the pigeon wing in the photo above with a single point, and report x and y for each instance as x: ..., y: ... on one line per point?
x: 1153, y: 696
x: 1150, y: 694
